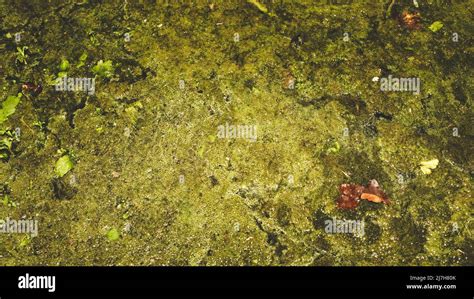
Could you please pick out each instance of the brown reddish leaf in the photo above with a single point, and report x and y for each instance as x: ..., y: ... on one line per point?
x: 351, y: 194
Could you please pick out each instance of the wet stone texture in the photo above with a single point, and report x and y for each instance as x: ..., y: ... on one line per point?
x: 218, y: 133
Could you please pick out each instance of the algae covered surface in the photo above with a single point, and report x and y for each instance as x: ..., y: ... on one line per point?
x: 140, y: 166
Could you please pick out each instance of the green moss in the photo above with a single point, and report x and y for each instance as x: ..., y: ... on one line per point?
x: 241, y: 202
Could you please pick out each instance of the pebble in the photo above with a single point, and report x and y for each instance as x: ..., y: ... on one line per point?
x: 126, y: 132
x: 127, y: 227
x: 237, y: 227
x: 73, y: 180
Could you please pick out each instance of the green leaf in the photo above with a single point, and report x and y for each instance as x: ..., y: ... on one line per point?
x: 20, y: 55
x: 334, y: 148
x: 104, y: 69
x: 5, y: 200
x: 9, y: 107
x: 63, y: 165
x: 82, y: 60
x: 436, y: 26
x: 113, y: 235
x: 64, y: 65
x: 25, y: 241
x: 427, y: 166
x: 83, y: 57
x: 6, y: 143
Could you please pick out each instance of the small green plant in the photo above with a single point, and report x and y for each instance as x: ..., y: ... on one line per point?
x: 39, y: 124
x: 7, y: 202
x: 9, y: 107
x: 63, y: 165
x: 21, y: 55
x: 41, y: 127
x: 334, y: 148
x: 427, y: 166
x: 104, y: 69
x: 26, y: 240
x: 113, y: 234
x: 436, y: 26
x: 82, y: 60
x: 64, y: 65
x: 6, y: 144
x: 133, y: 112
x: 62, y: 74
x: 4, y: 196
x: 8, y: 139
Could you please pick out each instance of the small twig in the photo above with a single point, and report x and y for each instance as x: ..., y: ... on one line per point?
x: 261, y: 7
x: 21, y: 119
x: 388, y: 13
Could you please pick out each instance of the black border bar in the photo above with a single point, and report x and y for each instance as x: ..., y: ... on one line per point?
x: 239, y: 282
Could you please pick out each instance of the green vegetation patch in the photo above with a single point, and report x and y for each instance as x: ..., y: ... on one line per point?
x: 9, y: 107
x: 63, y: 165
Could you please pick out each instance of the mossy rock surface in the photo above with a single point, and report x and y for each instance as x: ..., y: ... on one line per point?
x: 152, y: 184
